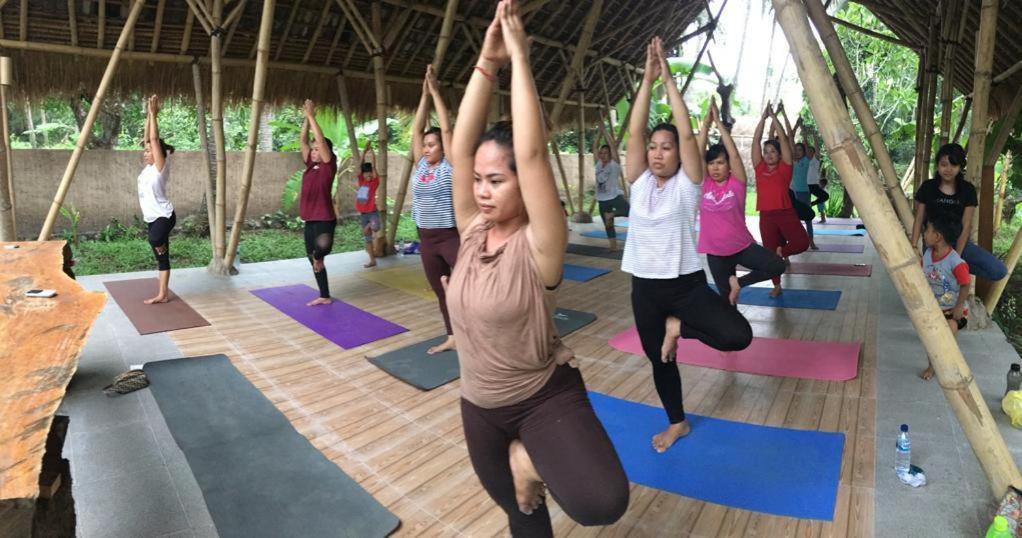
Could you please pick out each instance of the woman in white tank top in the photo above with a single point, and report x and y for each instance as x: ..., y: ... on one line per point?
x: 157, y: 211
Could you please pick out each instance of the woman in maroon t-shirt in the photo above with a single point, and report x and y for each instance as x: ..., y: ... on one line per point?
x: 316, y: 201
x: 779, y: 227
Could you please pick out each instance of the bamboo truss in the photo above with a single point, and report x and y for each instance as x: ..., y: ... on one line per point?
x: 862, y: 182
x: 980, y: 108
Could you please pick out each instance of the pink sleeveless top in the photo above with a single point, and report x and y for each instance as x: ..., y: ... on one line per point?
x: 502, y: 316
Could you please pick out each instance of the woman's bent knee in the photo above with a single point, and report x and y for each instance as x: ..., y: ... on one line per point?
x: 606, y: 506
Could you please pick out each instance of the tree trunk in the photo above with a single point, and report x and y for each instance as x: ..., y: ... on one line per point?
x: 266, y: 130
x: 32, y: 140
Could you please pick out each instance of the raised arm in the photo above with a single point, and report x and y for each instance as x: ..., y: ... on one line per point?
x: 325, y: 155
x: 637, y: 124
x: 304, y: 140
x: 703, y: 136
x: 691, y: 158
x: 782, y: 137
x: 786, y: 124
x: 154, y: 133
x: 370, y: 155
x: 442, y: 113
x: 757, y: 137
x: 733, y: 157
x: 419, y: 123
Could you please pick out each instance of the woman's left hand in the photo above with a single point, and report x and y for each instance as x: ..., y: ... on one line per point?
x: 513, y: 29
x: 665, y: 68
x: 431, y: 82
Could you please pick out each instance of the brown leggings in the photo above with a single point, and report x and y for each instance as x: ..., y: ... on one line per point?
x: 439, y: 250
x: 567, y: 445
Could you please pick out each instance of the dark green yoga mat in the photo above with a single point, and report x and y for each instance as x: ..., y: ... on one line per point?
x: 594, y: 251
x: 259, y: 476
x: 426, y: 372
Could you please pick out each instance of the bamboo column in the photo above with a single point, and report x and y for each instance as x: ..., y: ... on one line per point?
x: 8, y: 220
x: 90, y: 120
x: 258, y: 88
x: 349, y: 124
x: 33, y: 141
x: 996, y: 289
x: 580, y: 130
x: 210, y: 183
x: 862, y: 182
x: 1002, y: 191
x: 926, y: 112
x: 219, y: 139
x: 980, y: 105
x: 564, y: 176
x: 853, y: 90
x: 947, y: 70
x: 383, y: 136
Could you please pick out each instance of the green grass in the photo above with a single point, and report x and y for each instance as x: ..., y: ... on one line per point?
x: 127, y: 255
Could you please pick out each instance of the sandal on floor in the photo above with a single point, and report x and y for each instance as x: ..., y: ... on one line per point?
x: 129, y: 381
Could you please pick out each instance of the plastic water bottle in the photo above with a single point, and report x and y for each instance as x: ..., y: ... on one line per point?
x: 1014, y: 377
x: 401, y: 248
x: 999, y: 528
x: 903, y: 451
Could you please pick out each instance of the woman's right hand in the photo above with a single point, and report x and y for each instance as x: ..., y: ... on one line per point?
x: 495, y: 52
x: 516, y: 41
x: 431, y: 84
x: 768, y: 110
x: 652, y: 65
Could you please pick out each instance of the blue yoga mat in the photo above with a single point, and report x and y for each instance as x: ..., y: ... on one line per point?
x: 828, y: 231
x: 602, y: 234
x: 779, y: 471
x: 621, y: 223
x: 810, y: 299
x: 581, y: 273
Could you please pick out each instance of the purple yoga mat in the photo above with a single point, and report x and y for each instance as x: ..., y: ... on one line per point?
x: 840, y: 247
x: 338, y: 321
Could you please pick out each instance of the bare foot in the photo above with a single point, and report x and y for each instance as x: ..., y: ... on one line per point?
x: 369, y: 264
x: 319, y: 301
x: 812, y: 246
x: 156, y: 300
x: 926, y: 374
x: 663, y: 440
x: 775, y: 292
x: 823, y: 219
x: 735, y: 289
x: 448, y: 344
x: 670, y: 347
x: 528, y: 484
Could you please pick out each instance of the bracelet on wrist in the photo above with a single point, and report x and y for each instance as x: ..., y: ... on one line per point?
x: 489, y: 76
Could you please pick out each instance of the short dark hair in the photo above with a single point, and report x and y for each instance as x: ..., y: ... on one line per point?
x: 773, y: 143
x: 715, y: 151
x: 949, y: 227
x: 605, y: 147
x: 802, y: 145
x: 501, y: 134
x: 435, y: 131
x: 367, y: 167
x: 165, y: 148
x: 955, y: 154
x: 670, y: 128
x: 329, y: 144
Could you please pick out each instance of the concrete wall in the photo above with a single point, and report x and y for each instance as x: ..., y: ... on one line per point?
x: 105, y: 184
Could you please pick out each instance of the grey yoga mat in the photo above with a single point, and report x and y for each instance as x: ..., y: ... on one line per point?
x: 421, y: 370
x: 259, y: 476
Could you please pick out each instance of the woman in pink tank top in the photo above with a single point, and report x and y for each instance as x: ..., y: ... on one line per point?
x: 527, y: 417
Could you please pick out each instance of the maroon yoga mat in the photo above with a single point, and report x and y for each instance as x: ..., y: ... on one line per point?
x: 152, y: 318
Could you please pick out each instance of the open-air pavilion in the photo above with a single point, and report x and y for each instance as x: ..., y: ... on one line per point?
x: 404, y: 446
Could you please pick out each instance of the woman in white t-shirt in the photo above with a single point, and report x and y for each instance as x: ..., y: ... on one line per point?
x: 668, y: 282
x: 157, y: 211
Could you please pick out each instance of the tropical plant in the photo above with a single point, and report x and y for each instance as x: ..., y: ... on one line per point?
x: 74, y: 217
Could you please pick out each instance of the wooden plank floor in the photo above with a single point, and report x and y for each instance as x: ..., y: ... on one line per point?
x: 406, y: 447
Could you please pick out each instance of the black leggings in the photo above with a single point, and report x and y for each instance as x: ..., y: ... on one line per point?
x: 319, y: 239
x: 821, y: 195
x: 762, y: 263
x: 568, y: 446
x: 159, y: 239
x: 704, y: 315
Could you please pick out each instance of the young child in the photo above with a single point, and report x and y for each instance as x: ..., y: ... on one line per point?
x: 946, y: 272
x: 365, y: 202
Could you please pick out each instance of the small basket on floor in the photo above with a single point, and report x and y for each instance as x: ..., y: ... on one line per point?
x: 1011, y: 509
x: 129, y: 381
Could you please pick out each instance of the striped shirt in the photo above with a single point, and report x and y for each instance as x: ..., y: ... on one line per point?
x: 662, y: 228
x: 432, y: 198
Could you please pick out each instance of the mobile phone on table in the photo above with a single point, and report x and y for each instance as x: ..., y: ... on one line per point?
x: 41, y: 293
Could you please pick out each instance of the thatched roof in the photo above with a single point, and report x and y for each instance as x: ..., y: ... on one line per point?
x: 57, y: 52
x: 910, y: 21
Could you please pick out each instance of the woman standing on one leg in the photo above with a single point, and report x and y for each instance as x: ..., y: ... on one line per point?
x: 667, y: 275
x: 316, y: 201
x: 816, y: 188
x: 527, y: 418
x: 432, y: 205
x: 608, y: 192
x: 723, y: 236
x: 951, y: 194
x: 779, y: 226
x: 157, y: 211
x: 365, y: 202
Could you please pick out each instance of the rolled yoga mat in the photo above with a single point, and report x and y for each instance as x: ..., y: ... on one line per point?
x: 602, y: 234
x: 791, y: 298
x: 421, y: 370
x: 828, y: 231
x: 825, y: 361
x: 258, y: 475
x: 152, y: 318
x: 781, y: 471
x: 594, y: 251
x: 839, y: 247
x: 582, y: 273
x: 339, y: 322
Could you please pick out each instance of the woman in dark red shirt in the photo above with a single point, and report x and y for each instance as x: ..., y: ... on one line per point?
x: 779, y: 227
x: 316, y: 201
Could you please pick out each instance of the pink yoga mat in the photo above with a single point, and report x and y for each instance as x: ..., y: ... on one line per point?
x: 826, y: 361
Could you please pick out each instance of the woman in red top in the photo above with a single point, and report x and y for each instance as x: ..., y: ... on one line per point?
x: 316, y: 201
x: 779, y: 227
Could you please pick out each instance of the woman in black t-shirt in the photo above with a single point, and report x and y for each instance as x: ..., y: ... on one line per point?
x: 951, y: 194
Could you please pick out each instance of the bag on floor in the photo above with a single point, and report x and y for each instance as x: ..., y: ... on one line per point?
x: 129, y: 381
x: 1011, y: 509
x: 1011, y: 404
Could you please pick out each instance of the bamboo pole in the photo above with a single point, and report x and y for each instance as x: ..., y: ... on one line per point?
x: 217, y: 101
x: 871, y: 33
x: 33, y: 141
x: 383, y: 136
x: 951, y: 39
x: 90, y: 120
x: 8, y: 219
x: 564, y: 176
x: 985, y: 40
x: 210, y: 183
x: 709, y: 37
x: 853, y: 90
x: 961, y: 120
x: 349, y: 124
x: 42, y: 119
x: 581, y: 49
x: 580, y: 131
x: 258, y: 88
x: 862, y: 182
x: 1002, y: 191
x: 993, y: 151
x: 996, y: 288
x: 927, y: 110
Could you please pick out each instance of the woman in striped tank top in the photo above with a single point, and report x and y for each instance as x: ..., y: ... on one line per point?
x: 668, y: 283
x: 432, y: 203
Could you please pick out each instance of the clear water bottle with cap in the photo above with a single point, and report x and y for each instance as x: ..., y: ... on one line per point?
x: 1014, y: 377
x: 903, y: 452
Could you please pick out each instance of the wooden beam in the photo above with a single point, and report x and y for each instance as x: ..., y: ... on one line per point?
x: 337, y: 37
x: 985, y: 40
x: 258, y: 90
x: 216, y: 59
x: 564, y: 177
x: 871, y: 33
x: 996, y: 289
x: 961, y: 120
x: 1008, y: 72
x: 8, y: 217
x: 205, y: 21
x: 947, y: 70
x: 382, y: 136
x: 186, y: 38
x: 448, y: 25
x: 580, y: 131
x: 72, y: 21
x: 1007, y: 126
x: 928, y: 106
x: 870, y: 129
x: 102, y: 24
x: 287, y: 28
x: 232, y: 22
x: 23, y: 21
x: 898, y: 256
x: 579, y: 56
x: 323, y: 16
x: 709, y: 37
x: 200, y: 118
x: 365, y: 34
x: 90, y: 120
x: 157, y: 26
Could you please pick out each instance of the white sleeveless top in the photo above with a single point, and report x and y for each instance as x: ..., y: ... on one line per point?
x: 152, y: 195
x: 661, y: 240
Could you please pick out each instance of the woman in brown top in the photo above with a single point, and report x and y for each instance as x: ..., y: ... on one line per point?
x: 525, y: 411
